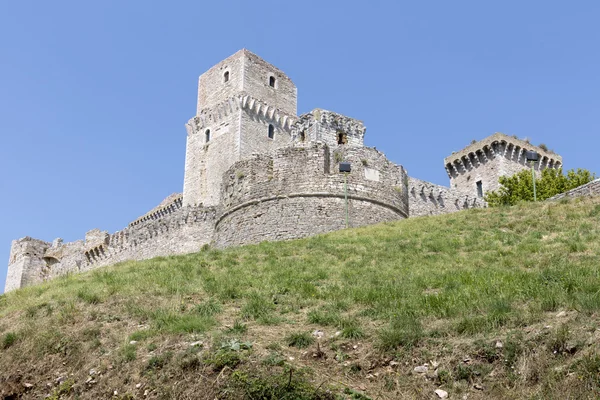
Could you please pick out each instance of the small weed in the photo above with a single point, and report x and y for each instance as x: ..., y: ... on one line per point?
x: 355, y: 368
x: 513, y: 348
x: 353, y: 332
x: 88, y: 296
x: 404, y: 330
x: 9, y: 339
x: 595, y: 211
x: 323, y: 318
x: 128, y: 353
x: 62, y: 390
x: 31, y: 311
x: 290, y: 384
x: 238, y: 328
x: 142, y: 334
x: 588, y: 369
x: 174, y: 322
x: 274, y: 359
x: 300, y: 340
x: 487, y: 351
x: 257, y: 307
x: 158, y: 361
x: 274, y: 346
x: 444, y: 376
x: 558, y: 341
x: 208, y: 308
x: 354, y: 395
x: 223, y: 358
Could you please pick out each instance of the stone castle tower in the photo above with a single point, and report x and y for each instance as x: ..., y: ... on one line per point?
x: 256, y: 171
x: 245, y: 106
x: 477, y: 168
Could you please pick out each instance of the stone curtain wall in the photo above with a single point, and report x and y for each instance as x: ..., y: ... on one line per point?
x: 299, y: 192
x: 183, y: 231
x: 426, y: 198
x: 589, y: 189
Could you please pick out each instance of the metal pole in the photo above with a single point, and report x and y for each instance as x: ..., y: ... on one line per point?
x: 533, y: 176
x: 346, y: 195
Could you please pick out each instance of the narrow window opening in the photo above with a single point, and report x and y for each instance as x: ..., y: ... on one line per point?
x: 342, y: 139
x: 207, y: 136
x: 302, y: 136
x: 226, y: 76
x: 271, y: 131
x: 272, y: 81
x: 479, y: 189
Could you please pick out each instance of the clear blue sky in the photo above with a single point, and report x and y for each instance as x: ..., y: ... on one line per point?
x: 94, y: 95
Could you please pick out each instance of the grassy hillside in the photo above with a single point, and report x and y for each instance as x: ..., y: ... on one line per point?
x: 495, y: 303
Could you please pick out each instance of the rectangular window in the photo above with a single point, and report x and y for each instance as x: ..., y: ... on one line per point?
x: 479, y: 189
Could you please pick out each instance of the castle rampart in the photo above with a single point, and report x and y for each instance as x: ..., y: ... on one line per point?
x: 255, y: 171
x: 589, y: 189
x: 426, y: 198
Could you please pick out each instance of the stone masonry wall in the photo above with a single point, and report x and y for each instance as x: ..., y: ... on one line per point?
x: 256, y: 82
x: 589, y: 189
x: 255, y: 135
x: 299, y: 192
x: 329, y: 127
x: 212, y: 88
x: 238, y: 100
x: 25, y: 263
x: 487, y: 160
x: 182, y: 231
x: 426, y: 198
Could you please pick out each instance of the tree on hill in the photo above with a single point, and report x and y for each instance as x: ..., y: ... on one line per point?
x: 519, y: 187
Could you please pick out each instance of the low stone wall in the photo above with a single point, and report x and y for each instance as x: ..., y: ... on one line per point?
x: 426, y: 198
x: 589, y: 189
x: 299, y: 192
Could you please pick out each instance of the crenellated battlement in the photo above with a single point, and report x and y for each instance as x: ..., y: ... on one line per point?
x: 328, y: 127
x: 217, y: 114
x: 478, y: 167
x: 168, y: 206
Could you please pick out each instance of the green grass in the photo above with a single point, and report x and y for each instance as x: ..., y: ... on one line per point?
x: 300, y: 340
x: 399, y: 287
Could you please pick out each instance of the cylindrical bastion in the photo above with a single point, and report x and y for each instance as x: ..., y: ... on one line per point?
x: 298, y: 192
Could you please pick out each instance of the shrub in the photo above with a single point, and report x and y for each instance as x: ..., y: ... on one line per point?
x: 519, y: 187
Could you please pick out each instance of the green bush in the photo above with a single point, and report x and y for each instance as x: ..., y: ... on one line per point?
x: 519, y: 187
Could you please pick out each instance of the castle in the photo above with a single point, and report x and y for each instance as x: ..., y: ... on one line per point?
x: 256, y: 171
